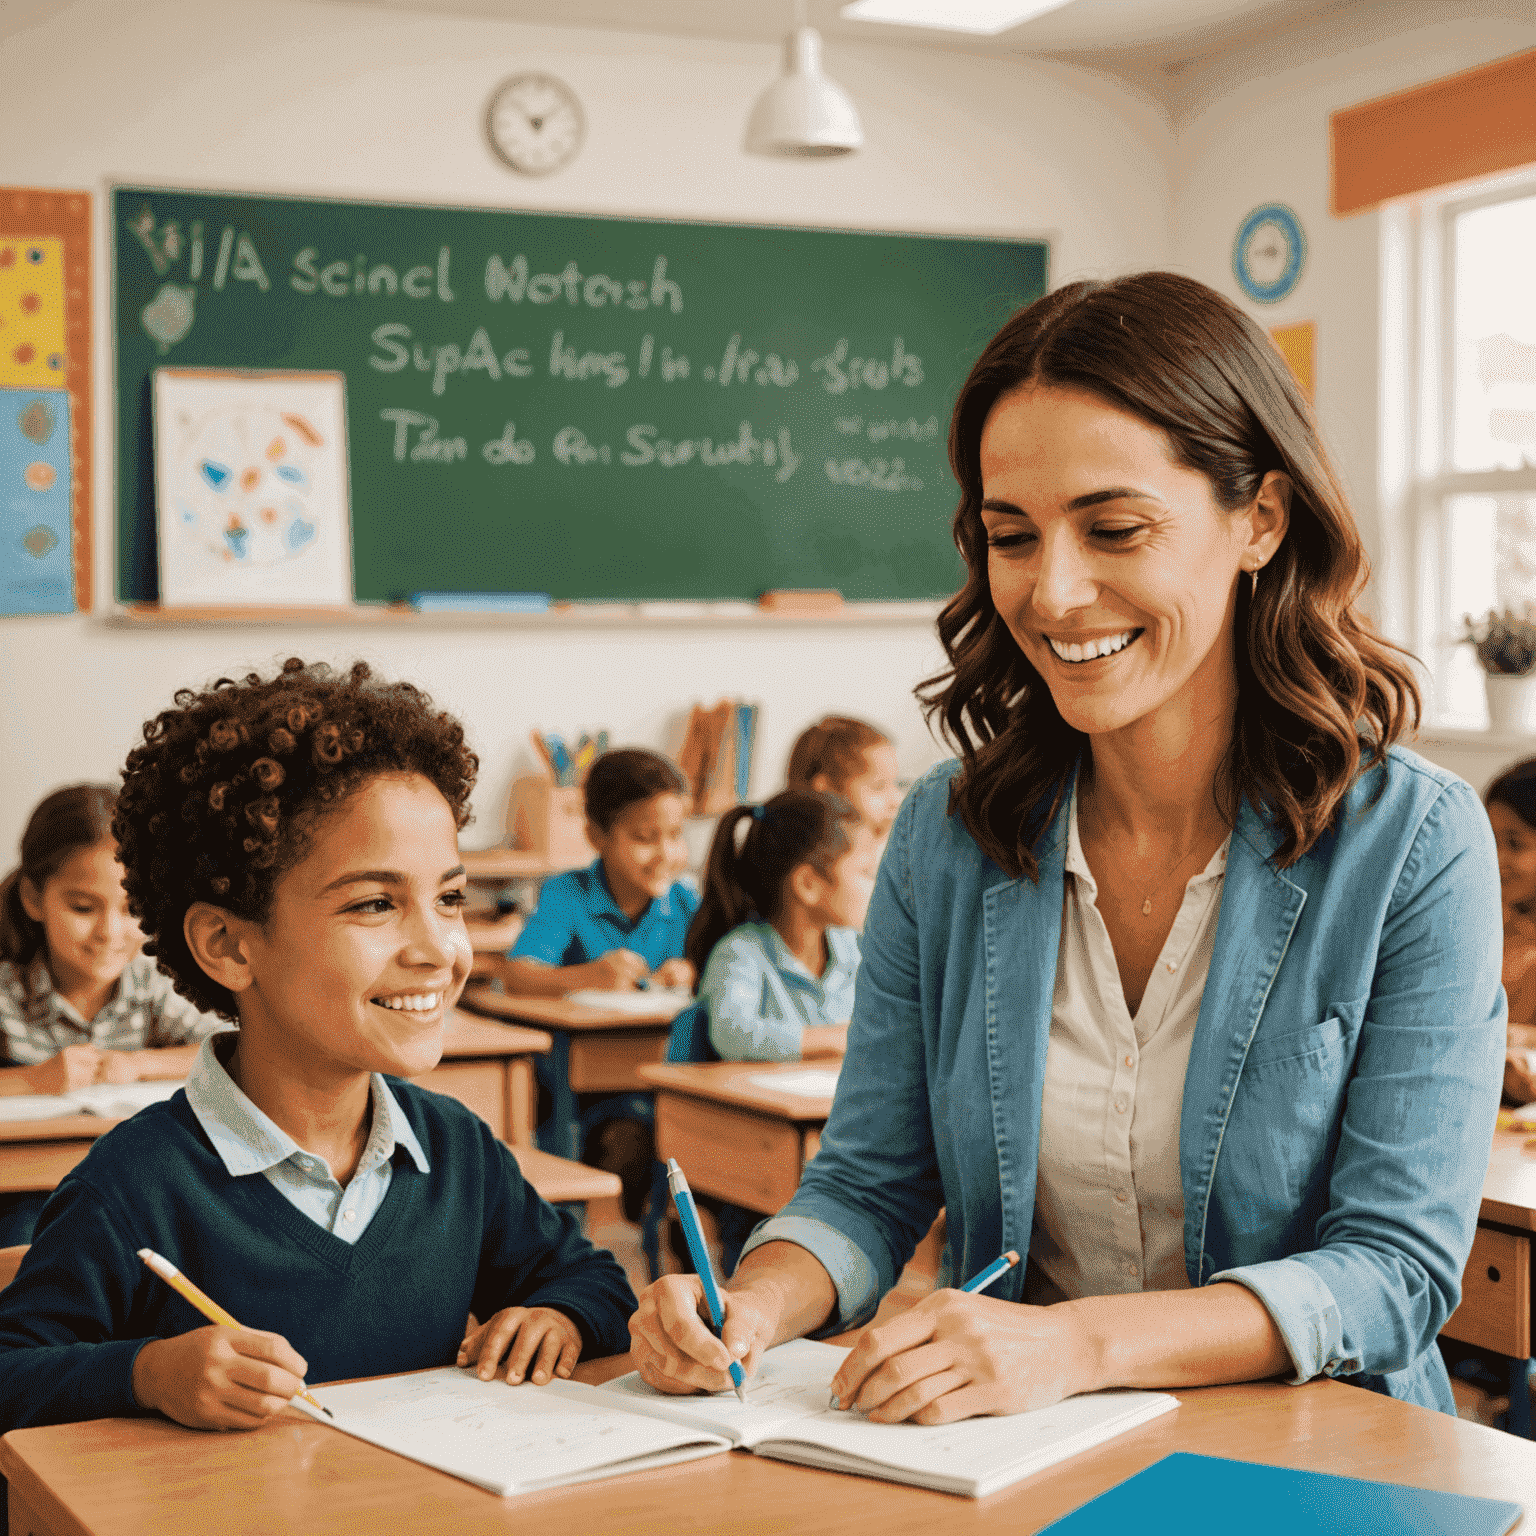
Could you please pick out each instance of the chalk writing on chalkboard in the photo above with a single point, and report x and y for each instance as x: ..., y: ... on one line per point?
x: 591, y: 407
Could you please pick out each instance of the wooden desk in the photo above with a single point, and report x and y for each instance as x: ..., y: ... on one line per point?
x: 503, y: 865
x: 487, y: 1067
x: 562, y: 1182
x: 121, y: 1477
x: 1497, y: 1311
x: 739, y: 1140
x: 595, y: 1051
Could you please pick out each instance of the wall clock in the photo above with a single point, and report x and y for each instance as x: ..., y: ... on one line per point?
x: 535, y: 123
x: 1269, y: 252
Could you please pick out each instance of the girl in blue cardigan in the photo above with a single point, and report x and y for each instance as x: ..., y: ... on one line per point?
x: 290, y: 849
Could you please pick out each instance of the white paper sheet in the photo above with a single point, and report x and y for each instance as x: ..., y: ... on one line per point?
x: 809, y: 1082
x: 508, y: 1439
x: 112, y: 1101
x: 657, y: 1002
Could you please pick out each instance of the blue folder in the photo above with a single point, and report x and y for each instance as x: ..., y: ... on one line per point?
x: 1184, y: 1493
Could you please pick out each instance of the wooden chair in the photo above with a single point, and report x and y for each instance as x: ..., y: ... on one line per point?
x: 10, y: 1262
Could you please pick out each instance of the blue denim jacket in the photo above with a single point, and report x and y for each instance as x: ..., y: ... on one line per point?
x: 1338, y: 1107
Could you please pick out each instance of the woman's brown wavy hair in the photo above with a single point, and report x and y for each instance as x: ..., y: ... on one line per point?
x: 1320, y: 695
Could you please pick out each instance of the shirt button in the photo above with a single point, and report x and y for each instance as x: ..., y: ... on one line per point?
x: 1119, y: 1106
x: 1172, y: 966
x: 1121, y: 1196
x: 1130, y: 1269
x: 1129, y: 1061
x: 349, y: 1215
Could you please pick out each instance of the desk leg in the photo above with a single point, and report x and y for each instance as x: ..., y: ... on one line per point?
x: 522, y: 1099
x: 561, y: 1133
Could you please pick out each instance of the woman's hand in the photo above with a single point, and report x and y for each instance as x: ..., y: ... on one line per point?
x: 954, y: 1356
x: 673, y: 1348
x: 218, y: 1378
x: 674, y: 973
x: 544, y: 1343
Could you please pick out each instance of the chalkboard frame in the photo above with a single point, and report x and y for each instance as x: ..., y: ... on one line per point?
x: 137, y: 494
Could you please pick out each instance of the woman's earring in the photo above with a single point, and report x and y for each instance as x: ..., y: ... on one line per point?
x: 1254, y: 577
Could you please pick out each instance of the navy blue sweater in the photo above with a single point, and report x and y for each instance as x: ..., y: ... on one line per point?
x: 470, y: 1236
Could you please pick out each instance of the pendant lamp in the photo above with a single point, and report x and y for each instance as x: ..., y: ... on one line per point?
x: 803, y: 114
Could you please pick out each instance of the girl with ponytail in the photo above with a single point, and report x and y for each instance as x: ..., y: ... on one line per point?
x: 775, y: 937
x: 79, y: 1002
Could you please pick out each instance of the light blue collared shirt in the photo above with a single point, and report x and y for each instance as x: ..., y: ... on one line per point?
x: 761, y: 999
x: 249, y: 1141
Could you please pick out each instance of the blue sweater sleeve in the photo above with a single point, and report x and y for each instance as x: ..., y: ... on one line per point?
x: 64, y: 1350
x: 534, y: 1255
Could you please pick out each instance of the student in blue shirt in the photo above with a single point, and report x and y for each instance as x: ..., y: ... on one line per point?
x: 776, y: 944
x: 290, y: 849
x: 620, y: 921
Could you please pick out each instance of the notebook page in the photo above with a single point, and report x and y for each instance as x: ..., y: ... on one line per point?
x: 117, y: 1101
x: 36, y: 1106
x: 813, y: 1082
x: 657, y: 1003
x: 973, y: 1456
x: 508, y: 1439
x: 792, y: 1383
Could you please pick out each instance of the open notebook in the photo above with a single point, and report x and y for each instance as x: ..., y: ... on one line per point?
x: 652, y: 1003
x: 113, y: 1101
x: 518, y: 1439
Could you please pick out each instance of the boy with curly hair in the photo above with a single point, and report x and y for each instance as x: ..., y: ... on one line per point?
x: 290, y: 848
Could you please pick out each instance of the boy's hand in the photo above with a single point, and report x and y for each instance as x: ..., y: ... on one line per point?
x: 118, y: 1067
x: 617, y: 971
x: 75, y: 1066
x: 218, y: 1378
x: 674, y: 973
x: 544, y: 1343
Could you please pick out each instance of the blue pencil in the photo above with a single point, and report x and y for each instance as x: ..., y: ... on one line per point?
x: 688, y: 1215
x: 997, y: 1267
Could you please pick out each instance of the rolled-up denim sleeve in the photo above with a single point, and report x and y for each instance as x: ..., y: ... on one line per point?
x: 1418, y: 1121
x: 873, y: 1189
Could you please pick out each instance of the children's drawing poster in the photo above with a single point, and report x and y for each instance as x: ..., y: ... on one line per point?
x: 36, y: 568
x: 45, y: 400
x: 251, y: 488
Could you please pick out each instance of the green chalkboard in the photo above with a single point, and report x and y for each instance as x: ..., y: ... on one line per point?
x: 590, y: 407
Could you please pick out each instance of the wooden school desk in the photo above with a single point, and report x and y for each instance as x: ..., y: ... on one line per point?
x: 487, y: 1067
x: 122, y: 1477
x: 737, y: 1139
x: 1497, y: 1311
x: 595, y: 1051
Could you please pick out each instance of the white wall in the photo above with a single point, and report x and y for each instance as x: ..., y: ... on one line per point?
x: 289, y: 96
x: 1254, y: 129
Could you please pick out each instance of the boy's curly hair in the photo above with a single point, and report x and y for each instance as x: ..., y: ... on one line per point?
x: 219, y: 800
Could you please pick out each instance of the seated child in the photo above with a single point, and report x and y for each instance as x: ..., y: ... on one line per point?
x: 1511, y: 801
x: 620, y: 921
x: 79, y: 1003
x: 846, y: 757
x: 290, y: 849
x: 775, y: 940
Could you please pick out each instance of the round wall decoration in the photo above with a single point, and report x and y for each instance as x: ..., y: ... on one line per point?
x: 1269, y: 253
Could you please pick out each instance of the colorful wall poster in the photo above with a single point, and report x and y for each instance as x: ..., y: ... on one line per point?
x: 36, y: 564
x: 251, y: 488
x: 45, y: 400
x: 1298, y: 346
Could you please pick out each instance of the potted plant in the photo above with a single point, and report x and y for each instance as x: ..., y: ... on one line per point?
x: 1505, y: 644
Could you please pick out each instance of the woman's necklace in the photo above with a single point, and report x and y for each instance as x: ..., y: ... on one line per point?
x: 1162, y: 879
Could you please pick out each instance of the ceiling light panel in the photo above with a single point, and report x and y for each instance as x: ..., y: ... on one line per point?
x: 986, y: 17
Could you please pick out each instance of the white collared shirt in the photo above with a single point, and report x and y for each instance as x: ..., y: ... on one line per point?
x: 249, y: 1141
x: 1109, y: 1200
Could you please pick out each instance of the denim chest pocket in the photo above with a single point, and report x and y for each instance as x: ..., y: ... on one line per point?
x: 1318, y: 1045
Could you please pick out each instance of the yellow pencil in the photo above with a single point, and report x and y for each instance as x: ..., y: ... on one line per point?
x: 210, y: 1309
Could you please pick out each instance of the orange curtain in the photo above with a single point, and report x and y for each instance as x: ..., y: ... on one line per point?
x: 1476, y: 123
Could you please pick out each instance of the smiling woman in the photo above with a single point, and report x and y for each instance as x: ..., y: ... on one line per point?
x: 290, y: 848
x: 1185, y: 978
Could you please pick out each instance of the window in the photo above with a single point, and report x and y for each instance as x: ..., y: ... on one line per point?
x: 1458, y: 372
